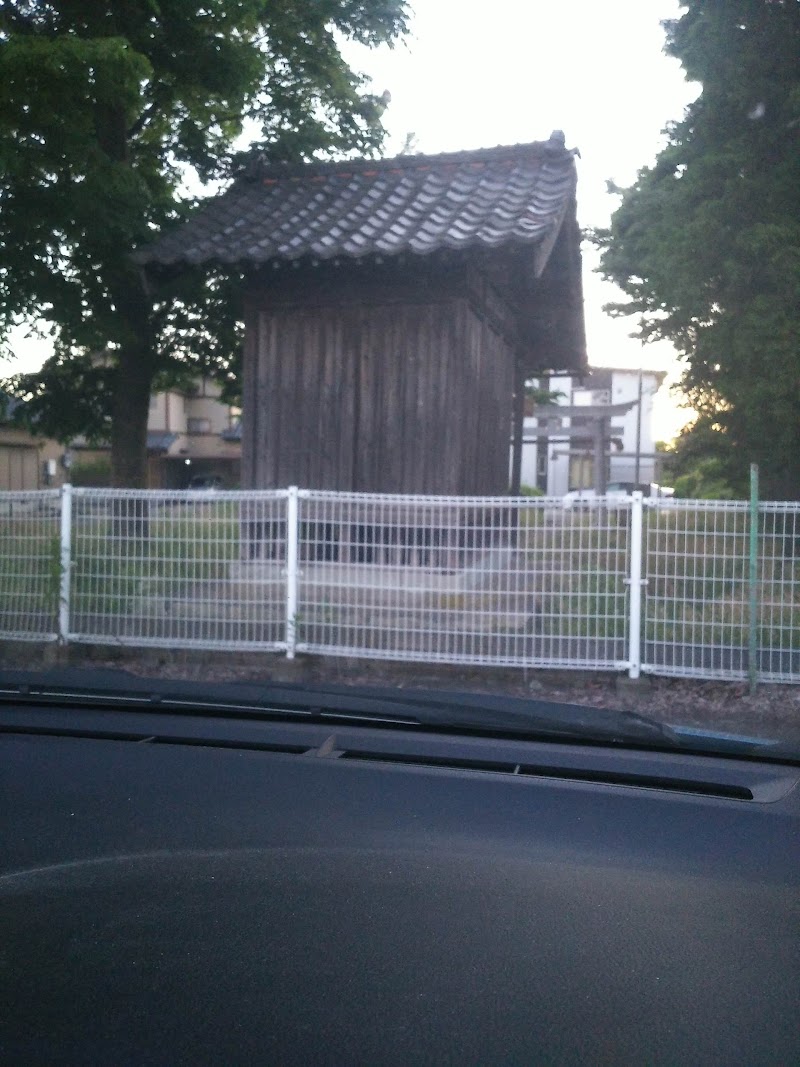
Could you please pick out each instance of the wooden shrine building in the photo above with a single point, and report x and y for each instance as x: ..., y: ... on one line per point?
x: 393, y: 310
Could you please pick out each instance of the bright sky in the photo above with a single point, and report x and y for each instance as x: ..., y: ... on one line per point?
x: 475, y: 74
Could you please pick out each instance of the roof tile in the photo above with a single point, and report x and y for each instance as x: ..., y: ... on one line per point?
x: 352, y: 209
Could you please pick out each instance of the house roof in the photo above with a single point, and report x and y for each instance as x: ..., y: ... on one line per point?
x: 410, y: 204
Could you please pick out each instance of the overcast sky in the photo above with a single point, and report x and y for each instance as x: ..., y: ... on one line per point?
x: 476, y: 73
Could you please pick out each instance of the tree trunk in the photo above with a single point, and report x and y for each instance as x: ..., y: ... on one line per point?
x: 129, y: 447
x: 134, y: 379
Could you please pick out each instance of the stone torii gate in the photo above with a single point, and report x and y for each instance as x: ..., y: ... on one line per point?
x: 598, y: 416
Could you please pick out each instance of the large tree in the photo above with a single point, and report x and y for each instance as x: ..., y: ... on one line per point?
x: 106, y: 106
x: 706, y: 243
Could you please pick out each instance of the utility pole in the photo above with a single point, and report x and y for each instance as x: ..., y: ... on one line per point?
x: 517, y: 427
x: 600, y: 437
x: 638, y: 431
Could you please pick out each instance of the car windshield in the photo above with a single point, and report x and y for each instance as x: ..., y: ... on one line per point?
x: 297, y: 394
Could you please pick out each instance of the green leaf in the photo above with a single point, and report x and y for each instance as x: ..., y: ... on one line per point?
x: 104, y: 108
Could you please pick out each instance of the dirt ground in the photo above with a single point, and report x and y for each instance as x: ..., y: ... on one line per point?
x: 772, y: 712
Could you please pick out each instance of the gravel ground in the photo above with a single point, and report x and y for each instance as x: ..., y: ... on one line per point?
x: 772, y: 712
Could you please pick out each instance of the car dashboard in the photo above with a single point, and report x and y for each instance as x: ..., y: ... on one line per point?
x: 197, y: 888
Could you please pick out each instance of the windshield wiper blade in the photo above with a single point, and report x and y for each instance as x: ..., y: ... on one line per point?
x: 434, y: 709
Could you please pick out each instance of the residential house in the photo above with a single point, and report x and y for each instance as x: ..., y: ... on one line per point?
x: 27, y: 461
x: 192, y: 433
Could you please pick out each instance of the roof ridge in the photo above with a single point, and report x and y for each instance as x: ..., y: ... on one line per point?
x: 259, y: 168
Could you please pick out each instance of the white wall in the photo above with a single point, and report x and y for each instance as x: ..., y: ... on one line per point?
x: 625, y: 387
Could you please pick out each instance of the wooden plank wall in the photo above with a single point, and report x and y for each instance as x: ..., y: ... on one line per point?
x: 381, y: 396
x: 489, y: 387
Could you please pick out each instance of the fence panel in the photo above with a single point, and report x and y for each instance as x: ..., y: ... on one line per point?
x: 697, y: 619
x: 778, y: 594
x: 179, y: 570
x: 30, y: 565
x: 508, y: 582
x: 696, y: 600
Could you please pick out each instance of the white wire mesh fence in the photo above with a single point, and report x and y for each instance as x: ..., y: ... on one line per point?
x: 697, y: 593
x: 705, y: 612
x: 778, y: 593
x: 667, y: 587
x: 30, y: 566
x: 462, y: 580
x: 166, y: 569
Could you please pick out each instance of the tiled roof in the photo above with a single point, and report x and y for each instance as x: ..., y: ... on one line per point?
x: 414, y: 204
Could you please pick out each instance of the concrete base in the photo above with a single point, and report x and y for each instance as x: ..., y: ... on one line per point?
x: 494, y: 596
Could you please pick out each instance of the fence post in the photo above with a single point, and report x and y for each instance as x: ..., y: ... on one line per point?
x: 291, y: 569
x: 752, y: 644
x: 635, y: 582
x: 65, y: 563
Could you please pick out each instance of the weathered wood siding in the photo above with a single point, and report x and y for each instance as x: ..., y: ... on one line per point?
x: 405, y: 391
x: 488, y: 393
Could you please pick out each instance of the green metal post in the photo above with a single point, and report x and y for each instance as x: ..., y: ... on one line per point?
x: 752, y: 651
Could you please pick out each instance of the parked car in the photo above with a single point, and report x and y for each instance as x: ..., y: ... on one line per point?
x: 208, y: 483
x: 615, y: 491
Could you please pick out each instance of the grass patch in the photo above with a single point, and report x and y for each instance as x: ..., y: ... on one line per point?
x: 698, y: 589
x: 111, y: 574
x: 30, y: 574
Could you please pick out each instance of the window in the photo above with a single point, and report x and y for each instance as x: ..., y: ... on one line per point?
x: 198, y: 425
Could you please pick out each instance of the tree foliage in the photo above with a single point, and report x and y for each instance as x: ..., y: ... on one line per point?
x: 700, y: 465
x: 706, y: 243
x: 105, y: 108
x: 540, y: 396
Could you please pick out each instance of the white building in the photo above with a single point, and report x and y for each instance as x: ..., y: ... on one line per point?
x: 558, y: 464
